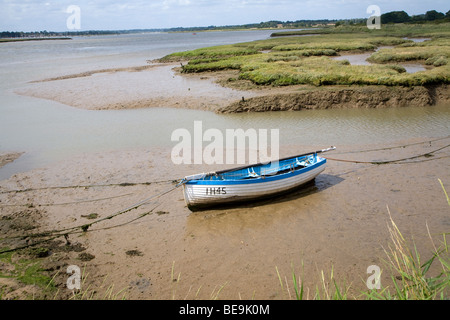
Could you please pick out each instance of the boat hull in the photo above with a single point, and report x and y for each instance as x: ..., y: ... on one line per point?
x: 200, y: 194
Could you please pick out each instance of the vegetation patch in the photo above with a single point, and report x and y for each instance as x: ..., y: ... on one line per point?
x: 304, y: 59
x: 24, y: 271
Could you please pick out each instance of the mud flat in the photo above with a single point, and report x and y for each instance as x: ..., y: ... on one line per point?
x: 135, y: 87
x: 161, y: 250
x: 7, y: 157
x: 164, y: 86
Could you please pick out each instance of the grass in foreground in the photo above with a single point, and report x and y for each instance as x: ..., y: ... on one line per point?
x: 412, y: 278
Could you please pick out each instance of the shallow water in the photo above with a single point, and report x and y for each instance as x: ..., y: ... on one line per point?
x: 361, y: 60
x: 48, y: 131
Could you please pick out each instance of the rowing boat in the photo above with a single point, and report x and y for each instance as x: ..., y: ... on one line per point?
x: 252, y: 182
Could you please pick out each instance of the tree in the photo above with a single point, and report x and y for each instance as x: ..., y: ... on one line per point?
x: 395, y: 17
x: 433, y: 15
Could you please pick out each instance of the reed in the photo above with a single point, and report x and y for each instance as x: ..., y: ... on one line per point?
x: 412, y: 277
x: 327, y: 289
x: 97, y: 292
x: 413, y: 281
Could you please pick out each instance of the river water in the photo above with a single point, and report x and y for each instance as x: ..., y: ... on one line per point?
x: 48, y: 131
x: 337, y: 223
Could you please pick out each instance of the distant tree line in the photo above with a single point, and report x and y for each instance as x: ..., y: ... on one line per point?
x: 390, y: 17
x: 261, y: 25
x: 403, y: 17
x: 47, y: 34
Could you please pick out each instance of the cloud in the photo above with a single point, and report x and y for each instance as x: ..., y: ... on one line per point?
x: 167, y: 4
x: 30, y: 15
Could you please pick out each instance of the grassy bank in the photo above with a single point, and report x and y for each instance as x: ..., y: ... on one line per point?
x: 401, y: 30
x: 304, y: 57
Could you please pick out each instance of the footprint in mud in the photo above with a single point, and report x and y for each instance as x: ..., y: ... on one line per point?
x: 134, y: 253
x: 90, y: 216
x: 141, y: 284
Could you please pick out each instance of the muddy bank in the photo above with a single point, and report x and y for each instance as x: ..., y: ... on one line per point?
x: 36, y: 270
x: 153, y: 85
x: 343, y: 97
x: 93, y: 72
x: 163, y: 85
x: 8, y: 157
x: 163, y: 251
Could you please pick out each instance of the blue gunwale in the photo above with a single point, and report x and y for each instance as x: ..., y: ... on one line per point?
x: 268, y: 178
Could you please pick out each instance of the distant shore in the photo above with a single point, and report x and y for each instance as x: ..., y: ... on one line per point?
x: 4, y: 40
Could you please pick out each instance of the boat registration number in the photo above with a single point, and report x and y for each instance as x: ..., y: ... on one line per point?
x: 219, y: 190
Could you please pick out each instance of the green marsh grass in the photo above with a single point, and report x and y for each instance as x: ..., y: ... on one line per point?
x: 327, y: 289
x: 402, y: 30
x: 306, y: 60
x: 27, y: 271
x: 413, y: 53
x: 211, y: 52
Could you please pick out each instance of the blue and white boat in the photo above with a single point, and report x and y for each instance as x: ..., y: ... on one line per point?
x: 252, y: 182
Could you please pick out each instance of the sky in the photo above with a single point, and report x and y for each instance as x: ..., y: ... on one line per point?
x: 34, y: 15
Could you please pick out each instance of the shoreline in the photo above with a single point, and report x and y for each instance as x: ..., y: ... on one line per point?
x: 147, y: 86
x: 163, y: 85
x: 344, y: 97
x: 6, y: 40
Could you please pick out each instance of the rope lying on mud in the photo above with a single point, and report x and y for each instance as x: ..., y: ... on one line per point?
x: 403, y: 160
x: 124, y: 184
x: 396, y: 147
x: 130, y: 184
x: 54, y: 234
x: 64, y: 203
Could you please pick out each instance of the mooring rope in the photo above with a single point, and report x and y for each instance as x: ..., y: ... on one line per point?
x: 389, y: 161
x: 395, y: 147
x: 83, y: 228
x: 63, y: 203
x: 54, y: 234
x: 124, y: 184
